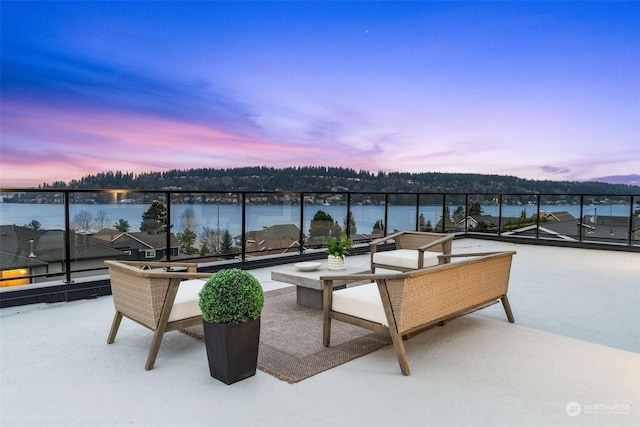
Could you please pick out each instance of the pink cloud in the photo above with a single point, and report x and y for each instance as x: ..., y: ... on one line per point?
x: 44, y: 145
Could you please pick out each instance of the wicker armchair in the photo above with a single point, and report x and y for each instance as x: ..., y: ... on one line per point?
x: 155, y: 298
x: 401, y: 304
x: 414, y: 250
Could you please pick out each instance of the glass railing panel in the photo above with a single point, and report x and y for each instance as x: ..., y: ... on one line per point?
x: 325, y: 216
x: 430, y: 212
x: 33, y: 246
x: 559, y: 219
x: 483, y: 213
x: 369, y: 215
x: 454, y: 216
x: 207, y: 226
x: 519, y: 214
x: 272, y: 224
x: 605, y: 219
x: 122, y: 225
x: 401, y: 212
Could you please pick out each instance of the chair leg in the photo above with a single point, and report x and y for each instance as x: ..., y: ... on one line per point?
x: 507, y: 309
x: 398, y: 345
x: 155, y: 347
x: 326, y: 332
x: 114, y: 327
x: 327, y: 299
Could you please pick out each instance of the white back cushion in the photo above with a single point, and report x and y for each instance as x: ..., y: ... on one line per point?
x: 186, y: 303
x: 405, y: 258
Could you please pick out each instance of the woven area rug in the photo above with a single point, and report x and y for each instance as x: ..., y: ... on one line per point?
x: 291, y: 339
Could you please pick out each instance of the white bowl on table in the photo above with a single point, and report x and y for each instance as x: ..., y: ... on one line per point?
x: 307, y: 266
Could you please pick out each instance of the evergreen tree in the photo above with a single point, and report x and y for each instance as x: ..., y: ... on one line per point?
x: 475, y: 209
x: 424, y: 225
x: 122, y: 225
x: 445, y: 221
x: 351, y: 222
x: 226, y: 246
x: 322, y: 227
x: 187, y: 240
x: 458, y: 215
x: 378, y: 227
x: 155, y: 218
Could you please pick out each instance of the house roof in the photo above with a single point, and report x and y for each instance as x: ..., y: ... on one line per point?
x: 269, y: 245
x: 25, y: 247
x: 121, y: 239
x: 277, y: 231
x: 606, y: 230
x: 558, y: 216
x: 490, y: 219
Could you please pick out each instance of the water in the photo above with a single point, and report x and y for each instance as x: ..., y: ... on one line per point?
x: 229, y: 217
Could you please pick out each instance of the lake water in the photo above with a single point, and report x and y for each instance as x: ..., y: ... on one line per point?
x: 229, y: 217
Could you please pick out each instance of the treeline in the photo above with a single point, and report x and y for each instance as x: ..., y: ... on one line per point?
x: 318, y: 179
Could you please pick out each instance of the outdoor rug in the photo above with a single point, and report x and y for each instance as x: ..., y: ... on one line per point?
x: 291, y: 346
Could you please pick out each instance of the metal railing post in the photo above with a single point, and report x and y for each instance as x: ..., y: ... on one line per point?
x: 243, y: 245
x: 301, y: 231
x: 349, y: 214
x: 386, y: 213
x: 580, y: 226
x: 417, y: 219
x: 168, y: 225
x: 500, y: 214
x: 538, y: 199
x: 466, y: 213
x: 67, y: 238
x: 630, y: 230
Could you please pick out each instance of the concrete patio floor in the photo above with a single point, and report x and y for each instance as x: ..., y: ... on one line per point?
x: 571, y: 358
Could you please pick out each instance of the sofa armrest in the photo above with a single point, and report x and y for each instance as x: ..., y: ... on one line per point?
x: 441, y: 241
x: 471, y: 254
x: 192, y: 267
x: 380, y: 240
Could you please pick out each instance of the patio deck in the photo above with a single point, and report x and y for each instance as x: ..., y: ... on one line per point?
x: 576, y: 339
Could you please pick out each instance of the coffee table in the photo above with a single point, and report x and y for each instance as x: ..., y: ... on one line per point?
x: 308, y: 283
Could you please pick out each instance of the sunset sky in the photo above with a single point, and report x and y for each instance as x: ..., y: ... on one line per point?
x: 539, y: 90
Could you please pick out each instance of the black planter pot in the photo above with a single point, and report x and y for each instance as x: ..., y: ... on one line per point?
x: 232, y: 349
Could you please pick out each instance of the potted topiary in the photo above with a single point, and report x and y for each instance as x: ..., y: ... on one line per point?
x: 231, y: 302
x: 337, y: 250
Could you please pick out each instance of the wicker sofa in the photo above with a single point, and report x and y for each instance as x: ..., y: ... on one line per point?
x: 413, y: 250
x: 401, y: 304
x: 161, y: 296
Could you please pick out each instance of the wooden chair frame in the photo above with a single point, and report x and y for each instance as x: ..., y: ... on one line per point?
x: 146, y: 296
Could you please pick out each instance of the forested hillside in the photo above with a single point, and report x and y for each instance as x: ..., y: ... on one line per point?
x: 334, y: 179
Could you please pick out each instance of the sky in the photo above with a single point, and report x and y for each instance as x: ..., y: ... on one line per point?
x: 539, y: 90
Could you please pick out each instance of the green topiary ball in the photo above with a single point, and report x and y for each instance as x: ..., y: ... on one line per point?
x: 231, y: 296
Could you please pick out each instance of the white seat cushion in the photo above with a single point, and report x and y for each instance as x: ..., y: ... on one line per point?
x: 360, y: 301
x: 187, y: 298
x: 405, y: 258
